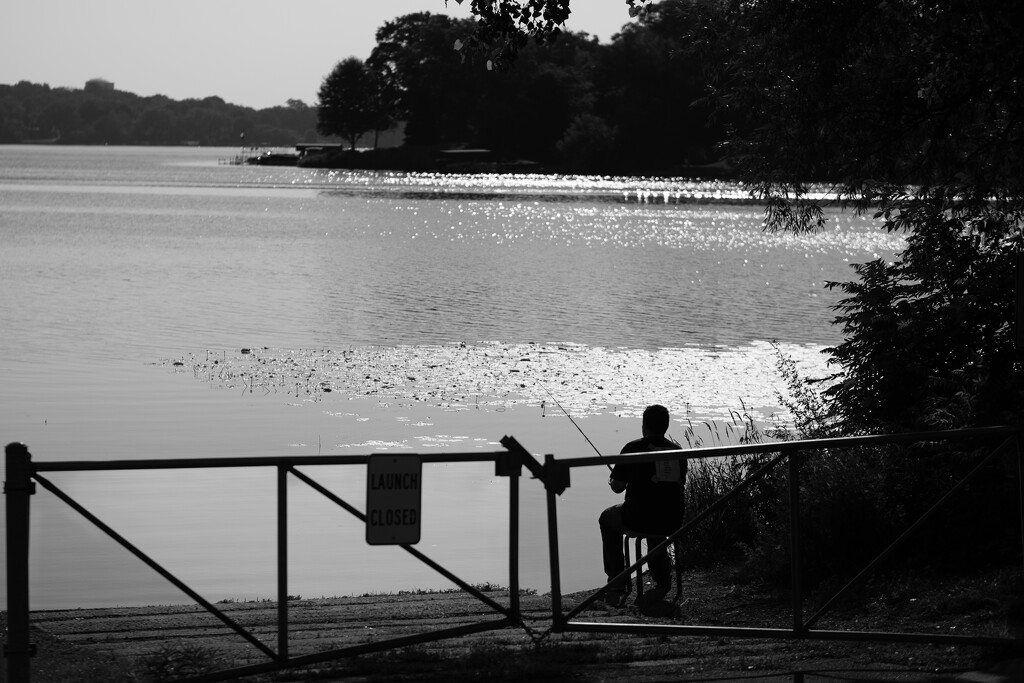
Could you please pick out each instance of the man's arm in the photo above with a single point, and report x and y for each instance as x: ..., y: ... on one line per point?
x: 619, y: 478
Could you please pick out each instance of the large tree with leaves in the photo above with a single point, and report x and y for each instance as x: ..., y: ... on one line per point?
x: 350, y: 102
x: 524, y: 113
x: 432, y: 89
x: 912, y: 109
x: 651, y: 83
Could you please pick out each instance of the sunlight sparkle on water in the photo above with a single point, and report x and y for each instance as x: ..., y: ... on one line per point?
x: 692, y: 381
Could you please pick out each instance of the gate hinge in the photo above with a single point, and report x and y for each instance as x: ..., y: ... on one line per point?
x: 31, y: 488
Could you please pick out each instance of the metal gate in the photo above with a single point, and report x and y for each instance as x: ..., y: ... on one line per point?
x: 555, y: 474
x: 23, y: 474
x: 1006, y: 444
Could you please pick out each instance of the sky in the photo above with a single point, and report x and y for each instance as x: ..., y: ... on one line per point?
x: 255, y: 53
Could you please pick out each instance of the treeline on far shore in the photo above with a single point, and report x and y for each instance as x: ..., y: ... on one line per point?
x: 633, y: 106
x: 98, y: 114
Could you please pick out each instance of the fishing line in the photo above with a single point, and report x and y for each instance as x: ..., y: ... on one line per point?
x: 573, y: 422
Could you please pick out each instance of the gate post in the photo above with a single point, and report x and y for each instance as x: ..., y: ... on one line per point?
x: 1020, y: 485
x: 18, y: 488
x: 511, y: 466
x: 796, y: 538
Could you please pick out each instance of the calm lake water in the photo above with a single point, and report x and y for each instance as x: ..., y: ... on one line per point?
x: 441, y: 312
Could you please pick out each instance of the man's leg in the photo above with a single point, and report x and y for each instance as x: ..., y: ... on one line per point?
x: 612, y: 530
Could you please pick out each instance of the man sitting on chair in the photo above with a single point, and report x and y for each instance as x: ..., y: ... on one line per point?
x: 654, y: 504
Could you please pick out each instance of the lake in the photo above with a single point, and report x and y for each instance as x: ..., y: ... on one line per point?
x: 158, y: 303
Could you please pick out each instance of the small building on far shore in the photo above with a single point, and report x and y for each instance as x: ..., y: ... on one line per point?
x: 99, y: 84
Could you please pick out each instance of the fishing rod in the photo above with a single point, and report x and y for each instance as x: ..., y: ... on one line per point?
x: 573, y: 423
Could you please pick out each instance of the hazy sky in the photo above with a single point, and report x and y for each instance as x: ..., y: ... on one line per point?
x: 257, y: 53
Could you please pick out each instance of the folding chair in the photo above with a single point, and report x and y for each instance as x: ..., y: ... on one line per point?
x: 639, y: 537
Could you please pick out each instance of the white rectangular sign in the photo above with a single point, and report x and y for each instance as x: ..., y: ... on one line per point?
x: 393, y: 495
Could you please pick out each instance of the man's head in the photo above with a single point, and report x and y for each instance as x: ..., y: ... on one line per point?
x: 655, y: 420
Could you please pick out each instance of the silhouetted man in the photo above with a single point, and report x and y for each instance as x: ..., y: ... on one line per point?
x: 654, y: 504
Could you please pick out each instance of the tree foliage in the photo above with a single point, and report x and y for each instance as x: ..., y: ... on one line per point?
x: 910, y: 109
x: 349, y: 102
x: 30, y: 111
x: 652, y: 78
x: 526, y: 112
x: 875, y: 96
x: 431, y: 89
x: 506, y: 27
x: 572, y: 104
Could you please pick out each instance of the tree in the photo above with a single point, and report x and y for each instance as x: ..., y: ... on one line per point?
x: 588, y: 144
x: 506, y: 26
x: 651, y: 82
x: 88, y: 116
x: 911, y: 109
x: 12, y: 120
x: 524, y: 112
x: 157, y: 124
x: 348, y: 101
x: 426, y: 79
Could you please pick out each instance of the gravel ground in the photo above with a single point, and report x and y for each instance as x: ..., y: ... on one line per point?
x: 123, y: 644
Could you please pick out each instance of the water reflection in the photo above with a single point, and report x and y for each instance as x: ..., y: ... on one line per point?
x: 620, y: 291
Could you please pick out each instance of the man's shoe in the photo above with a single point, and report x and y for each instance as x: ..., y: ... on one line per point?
x: 616, y: 596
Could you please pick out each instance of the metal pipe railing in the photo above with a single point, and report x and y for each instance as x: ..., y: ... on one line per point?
x: 679, y: 533
x: 282, y: 562
x: 902, y: 538
x: 22, y: 473
x: 791, y: 451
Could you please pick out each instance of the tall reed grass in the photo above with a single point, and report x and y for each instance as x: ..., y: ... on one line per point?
x: 853, y: 502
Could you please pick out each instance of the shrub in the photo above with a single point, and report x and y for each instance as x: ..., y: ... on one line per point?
x: 854, y: 502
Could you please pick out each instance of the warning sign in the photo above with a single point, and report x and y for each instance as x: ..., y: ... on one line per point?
x: 393, y: 499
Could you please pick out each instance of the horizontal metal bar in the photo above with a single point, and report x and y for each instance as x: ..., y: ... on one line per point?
x: 793, y: 446
x: 782, y: 633
x: 718, y: 451
x: 267, y: 461
x: 674, y: 629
